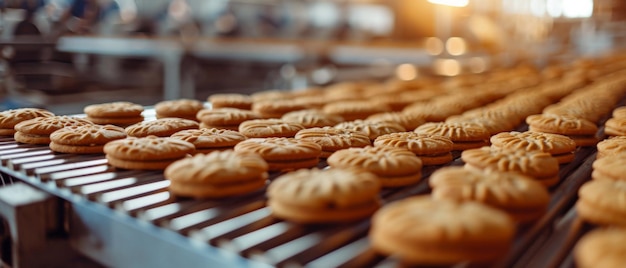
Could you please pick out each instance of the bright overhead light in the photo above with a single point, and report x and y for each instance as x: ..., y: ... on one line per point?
x: 452, y: 3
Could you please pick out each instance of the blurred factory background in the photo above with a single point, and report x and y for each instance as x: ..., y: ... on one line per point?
x: 61, y: 54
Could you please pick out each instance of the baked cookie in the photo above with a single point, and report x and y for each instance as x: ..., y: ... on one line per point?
x: 216, y: 175
x: 277, y: 108
x: 615, y: 127
x: 353, y: 110
x: 120, y: 113
x: 619, y: 112
x: 225, y: 118
x: 324, y: 196
x: 333, y: 139
x: 603, y: 202
x: 230, y: 100
x: 10, y: 118
x: 38, y: 130
x: 283, y: 153
x: 162, y: 127
x: 312, y: 118
x: 431, y: 149
x: 523, y: 198
x: 601, y: 248
x: 86, y: 139
x: 181, y: 108
x: 266, y: 128
x: 463, y: 135
x: 559, y: 146
x: 207, y: 140
x: 394, y: 167
x: 372, y: 129
x: 539, y: 165
x: 148, y: 153
x: 609, y: 168
x: 612, y: 146
x: 424, y: 231
x: 493, y: 126
x: 582, y: 131
x: 408, y: 121
x: 431, y: 112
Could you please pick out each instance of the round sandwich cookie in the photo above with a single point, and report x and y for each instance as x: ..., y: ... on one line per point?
x: 277, y: 108
x: 162, y: 127
x: 615, y: 127
x: 582, y: 131
x: 603, y: 202
x: 609, y: 168
x: 493, y: 126
x: 601, y: 248
x: 283, y: 154
x: 372, y: 129
x: 312, y: 118
x: 218, y: 174
x: 38, y: 130
x: 10, y: 118
x: 181, y: 108
x: 559, y: 146
x: 354, y: 110
x: 408, y: 121
x: 267, y: 128
x: 611, y: 146
x: 86, y: 139
x: 208, y: 140
x: 225, y: 118
x: 430, y: 111
x: 464, y: 135
x: 431, y: 149
x: 619, y: 112
x: 313, y: 196
x: 230, y: 100
x: 425, y: 231
x: 333, y: 139
x: 539, y: 165
x: 120, y: 113
x: 394, y: 167
x: 523, y: 198
x: 146, y: 153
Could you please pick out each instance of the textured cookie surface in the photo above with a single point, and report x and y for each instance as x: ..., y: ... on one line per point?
x: 225, y: 116
x: 408, y: 121
x: 601, y: 248
x: 371, y: 128
x: 332, y: 139
x: 183, y: 108
x: 277, y: 149
x: 262, y: 128
x: 561, y: 124
x: 210, y: 137
x: 612, y: 146
x: 386, y: 161
x: 530, y: 141
x: 455, y: 131
x: 47, y: 125
x: 221, y: 167
x: 148, y: 148
x: 161, y: 127
x: 9, y: 118
x: 230, y: 100
x: 113, y: 109
x: 312, y: 118
x: 420, y: 144
x: 603, y: 202
x: 615, y: 127
x: 87, y: 135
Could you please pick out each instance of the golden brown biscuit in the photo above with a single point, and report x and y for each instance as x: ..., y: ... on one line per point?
x: 230, y: 100
x: 150, y: 153
x: 207, y: 140
x: 463, y: 135
x: 372, y: 129
x: 324, y: 196
x: 266, y: 128
x: 87, y: 139
x: 121, y: 113
x: 217, y: 174
x: 520, y: 196
x: 559, y: 146
x: 615, y: 127
x: 612, y: 146
x: 582, y: 131
x: 10, y: 118
x: 601, y: 248
x: 38, y: 130
x: 353, y: 110
x: 493, y: 126
x: 408, y: 121
x: 431, y: 149
x: 181, y: 108
x: 603, y: 202
x: 277, y: 108
x: 333, y: 139
x: 431, y: 112
x: 609, y: 168
x: 162, y: 127
x: 225, y: 118
x: 283, y: 153
x: 424, y: 231
x: 619, y: 112
x: 312, y: 118
x: 394, y: 167
x: 538, y: 165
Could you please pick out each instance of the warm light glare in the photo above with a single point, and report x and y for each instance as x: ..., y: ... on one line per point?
x: 406, y: 72
x: 452, y: 3
x: 434, y: 46
x: 456, y: 46
x: 447, y: 67
x: 577, y: 8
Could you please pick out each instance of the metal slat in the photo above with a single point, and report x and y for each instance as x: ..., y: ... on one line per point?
x: 44, y: 172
